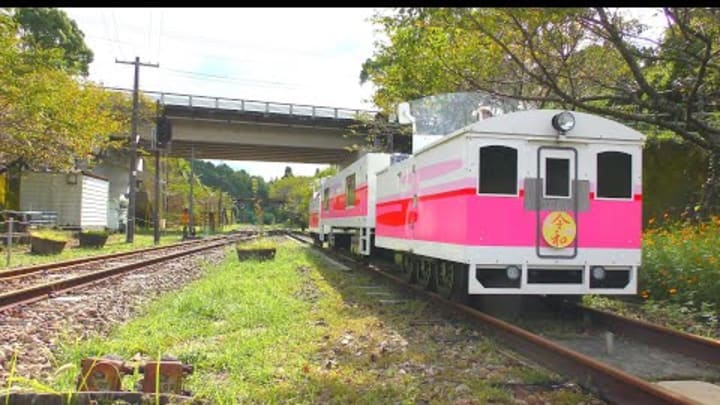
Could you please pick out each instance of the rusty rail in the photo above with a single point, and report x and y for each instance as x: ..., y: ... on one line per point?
x: 609, y: 382
x: 20, y: 271
x: 39, y: 292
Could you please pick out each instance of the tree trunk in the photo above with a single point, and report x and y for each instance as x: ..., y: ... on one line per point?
x: 710, y: 199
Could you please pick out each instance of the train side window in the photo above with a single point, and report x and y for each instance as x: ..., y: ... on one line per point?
x: 614, y: 175
x: 557, y: 177
x: 350, y: 190
x: 326, y: 199
x: 498, y: 170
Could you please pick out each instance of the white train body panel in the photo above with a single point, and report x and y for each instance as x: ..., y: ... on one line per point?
x: 442, y: 204
x: 349, y: 197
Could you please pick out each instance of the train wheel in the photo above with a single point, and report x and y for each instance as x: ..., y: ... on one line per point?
x: 407, y: 270
x: 445, y: 279
x: 424, y: 275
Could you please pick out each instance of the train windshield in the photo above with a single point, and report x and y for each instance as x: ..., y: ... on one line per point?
x: 443, y: 114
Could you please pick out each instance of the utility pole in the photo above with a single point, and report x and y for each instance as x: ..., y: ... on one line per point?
x: 156, y: 205
x: 133, y: 146
x: 191, y: 225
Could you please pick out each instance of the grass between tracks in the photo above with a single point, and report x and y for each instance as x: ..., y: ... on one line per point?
x: 300, y: 330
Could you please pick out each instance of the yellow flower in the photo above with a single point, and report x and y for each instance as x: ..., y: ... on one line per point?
x: 672, y: 291
x: 644, y: 294
x: 651, y: 221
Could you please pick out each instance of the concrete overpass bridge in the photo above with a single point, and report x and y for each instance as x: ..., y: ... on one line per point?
x: 240, y: 129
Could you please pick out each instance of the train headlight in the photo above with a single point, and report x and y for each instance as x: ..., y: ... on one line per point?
x: 512, y: 272
x: 598, y: 272
x: 563, y: 121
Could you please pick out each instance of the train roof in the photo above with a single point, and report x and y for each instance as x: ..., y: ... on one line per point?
x: 538, y: 124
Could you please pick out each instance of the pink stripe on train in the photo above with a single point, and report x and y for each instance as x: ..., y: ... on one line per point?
x: 462, y: 217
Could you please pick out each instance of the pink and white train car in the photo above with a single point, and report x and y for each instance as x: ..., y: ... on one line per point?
x: 348, y: 203
x: 530, y: 202
x: 314, y: 224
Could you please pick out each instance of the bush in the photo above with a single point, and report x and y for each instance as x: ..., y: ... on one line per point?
x: 681, y: 263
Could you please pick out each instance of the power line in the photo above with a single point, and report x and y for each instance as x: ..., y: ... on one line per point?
x: 159, y: 49
x: 228, y: 78
x: 115, y: 24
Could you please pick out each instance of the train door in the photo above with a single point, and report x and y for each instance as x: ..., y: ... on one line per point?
x: 557, y: 202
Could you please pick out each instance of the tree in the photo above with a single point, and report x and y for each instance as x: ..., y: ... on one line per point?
x: 288, y: 172
x: 294, y: 192
x: 589, y: 59
x: 48, y: 118
x: 50, y: 28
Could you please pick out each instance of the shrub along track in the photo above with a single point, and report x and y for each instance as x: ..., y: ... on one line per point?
x: 609, y: 382
x: 29, y: 284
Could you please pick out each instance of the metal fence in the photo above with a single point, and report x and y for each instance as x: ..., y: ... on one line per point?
x: 17, y: 224
x: 245, y: 105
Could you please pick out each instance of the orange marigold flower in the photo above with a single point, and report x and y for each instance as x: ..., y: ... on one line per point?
x: 672, y: 290
x: 644, y: 294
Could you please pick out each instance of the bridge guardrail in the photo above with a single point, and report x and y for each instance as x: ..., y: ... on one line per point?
x: 246, y: 105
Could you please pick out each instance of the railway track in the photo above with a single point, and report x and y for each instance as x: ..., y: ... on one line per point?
x: 610, y: 383
x: 29, y: 284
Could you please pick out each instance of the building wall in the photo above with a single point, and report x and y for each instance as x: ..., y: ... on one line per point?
x: 51, y: 192
x: 94, y: 203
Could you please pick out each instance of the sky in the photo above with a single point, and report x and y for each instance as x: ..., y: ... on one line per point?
x: 294, y: 55
x: 306, y: 56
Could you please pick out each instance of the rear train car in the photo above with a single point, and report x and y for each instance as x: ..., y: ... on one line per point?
x: 530, y: 202
x: 348, y: 203
x: 315, y: 227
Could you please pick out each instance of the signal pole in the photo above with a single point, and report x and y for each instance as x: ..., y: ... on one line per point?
x: 133, y: 146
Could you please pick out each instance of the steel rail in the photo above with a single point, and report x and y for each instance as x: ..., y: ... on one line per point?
x: 610, y: 383
x: 39, y: 292
x: 698, y: 347
x: 20, y: 271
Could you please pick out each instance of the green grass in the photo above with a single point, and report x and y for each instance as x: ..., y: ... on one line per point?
x: 301, y: 331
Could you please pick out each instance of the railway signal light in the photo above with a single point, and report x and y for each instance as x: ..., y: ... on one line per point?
x: 163, y: 131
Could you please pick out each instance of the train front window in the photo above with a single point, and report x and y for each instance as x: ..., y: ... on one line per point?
x: 498, y: 170
x: 614, y: 175
x: 557, y: 177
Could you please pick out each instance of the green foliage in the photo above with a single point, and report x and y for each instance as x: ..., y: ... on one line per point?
x: 294, y: 192
x: 51, y: 28
x: 238, y: 185
x: 673, y: 174
x: 680, y: 263
x: 590, y: 59
x: 39, y: 125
